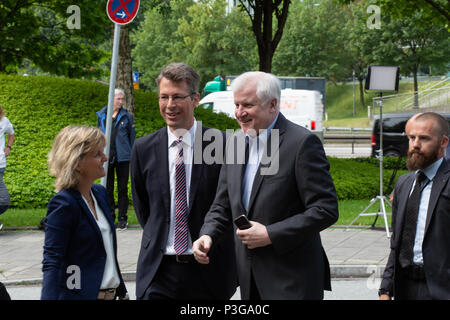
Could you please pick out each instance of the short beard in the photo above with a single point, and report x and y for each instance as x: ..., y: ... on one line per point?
x: 418, y: 160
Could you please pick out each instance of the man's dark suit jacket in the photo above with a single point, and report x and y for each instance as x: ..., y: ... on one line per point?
x: 151, y: 198
x: 295, y: 204
x: 436, y: 242
x: 72, y: 237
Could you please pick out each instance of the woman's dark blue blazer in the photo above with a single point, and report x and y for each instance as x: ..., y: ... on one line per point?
x: 74, y: 254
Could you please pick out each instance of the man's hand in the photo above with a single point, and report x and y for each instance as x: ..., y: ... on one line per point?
x: 201, y: 248
x: 254, y: 237
x: 385, y: 297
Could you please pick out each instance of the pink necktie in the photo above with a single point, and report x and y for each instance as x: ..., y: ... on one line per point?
x: 181, y: 213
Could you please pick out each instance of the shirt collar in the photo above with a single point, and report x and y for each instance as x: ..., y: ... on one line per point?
x: 187, y: 138
x: 265, y: 134
x: 432, y: 169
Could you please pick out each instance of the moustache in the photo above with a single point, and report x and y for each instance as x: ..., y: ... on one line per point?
x: 412, y: 152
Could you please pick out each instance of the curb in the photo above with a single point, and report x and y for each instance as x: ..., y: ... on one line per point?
x: 337, y: 272
x: 357, y: 271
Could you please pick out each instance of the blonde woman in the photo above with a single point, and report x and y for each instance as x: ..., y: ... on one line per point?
x: 80, y: 249
x: 5, y: 128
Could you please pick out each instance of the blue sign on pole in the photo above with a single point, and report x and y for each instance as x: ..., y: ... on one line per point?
x: 135, y: 77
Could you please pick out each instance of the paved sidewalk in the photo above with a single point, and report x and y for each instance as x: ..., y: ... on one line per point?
x: 352, y: 253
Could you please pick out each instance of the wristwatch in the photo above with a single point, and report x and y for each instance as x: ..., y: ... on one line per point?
x: 9, y: 147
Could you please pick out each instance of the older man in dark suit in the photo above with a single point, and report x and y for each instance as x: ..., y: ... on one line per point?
x: 418, y: 267
x: 173, y: 187
x: 288, y: 196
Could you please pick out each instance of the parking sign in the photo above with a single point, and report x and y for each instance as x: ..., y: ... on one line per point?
x: 122, y: 11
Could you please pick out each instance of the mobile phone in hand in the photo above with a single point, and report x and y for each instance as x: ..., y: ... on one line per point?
x: 242, y: 222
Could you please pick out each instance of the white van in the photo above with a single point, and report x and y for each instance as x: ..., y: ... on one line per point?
x: 303, y: 107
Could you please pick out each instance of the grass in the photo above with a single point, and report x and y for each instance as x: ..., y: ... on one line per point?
x: 31, y: 217
x: 353, y: 123
x: 339, y: 103
x: 348, y: 210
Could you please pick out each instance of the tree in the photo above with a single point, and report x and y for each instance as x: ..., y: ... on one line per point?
x: 314, y: 42
x: 124, y: 78
x: 157, y: 42
x: 219, y: 43
x: 261, y: 14
x: 362, y: 42
x: 439, y: 9
x: 200, y: 34
x: 413, y: 41
x: 38, y: 30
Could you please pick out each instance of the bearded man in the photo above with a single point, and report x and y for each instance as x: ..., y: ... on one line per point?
x: 418, y: 267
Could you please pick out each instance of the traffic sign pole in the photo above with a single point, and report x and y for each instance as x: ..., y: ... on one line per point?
x: 120, y: 13
x: 112, y: 86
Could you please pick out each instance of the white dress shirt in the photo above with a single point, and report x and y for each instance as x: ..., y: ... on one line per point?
x: 430, y: 172
x: 110, y: 275
x: 188, y: 146
x: 255, y: 148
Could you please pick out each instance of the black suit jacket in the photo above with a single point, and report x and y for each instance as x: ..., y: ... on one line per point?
x: 151, y: 198
x: 73, y: 238
x: 295, y: 204
x: 436, y: 242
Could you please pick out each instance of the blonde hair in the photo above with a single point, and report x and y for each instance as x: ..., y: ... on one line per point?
x: 70, y: 146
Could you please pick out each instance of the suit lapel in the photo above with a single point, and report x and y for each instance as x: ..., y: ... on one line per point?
x: 279, y: 125
x: 402, y: 201
x: 162, y: 156
x: 87, y: 212
x: 101, y: 201
x: 439, y: 181
x: 197, y: 168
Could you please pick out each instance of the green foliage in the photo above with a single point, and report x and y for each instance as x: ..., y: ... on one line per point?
x: 37, y: 30
x: 39, y: 107
x: 314, y: 42
x: 219, y: 42
x: 359, y: 178
x: 199, y: 34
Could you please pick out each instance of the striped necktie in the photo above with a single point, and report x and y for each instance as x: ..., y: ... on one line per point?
x: 181, y: 212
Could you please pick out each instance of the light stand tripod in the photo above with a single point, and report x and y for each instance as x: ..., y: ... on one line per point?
x: 380, y: 197
x: 380, y: 78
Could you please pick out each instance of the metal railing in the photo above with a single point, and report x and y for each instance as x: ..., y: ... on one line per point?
x: 347, y: 135
x: 426, y: 98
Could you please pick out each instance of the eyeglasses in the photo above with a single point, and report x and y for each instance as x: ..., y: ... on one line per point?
x: 176, y: 98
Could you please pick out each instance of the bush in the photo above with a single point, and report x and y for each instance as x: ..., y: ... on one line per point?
x: 359, y: 178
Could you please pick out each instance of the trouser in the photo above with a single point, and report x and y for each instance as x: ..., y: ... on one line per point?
x: 4, y: 194
x: 179, y: 281
x: 122, y: 170
x: 413, y: 285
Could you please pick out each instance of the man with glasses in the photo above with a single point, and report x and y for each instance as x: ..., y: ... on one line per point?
x: 171, y: 195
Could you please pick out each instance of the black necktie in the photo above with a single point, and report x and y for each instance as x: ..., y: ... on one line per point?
x: 410, y: 224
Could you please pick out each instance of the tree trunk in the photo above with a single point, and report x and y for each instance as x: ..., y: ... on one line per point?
x: 361, y: 92
x: 261, y: 14
x: 124, y: 79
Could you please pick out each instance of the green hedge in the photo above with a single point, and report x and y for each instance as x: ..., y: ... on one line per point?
x: 39, y: 107
x: 359, y: 178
